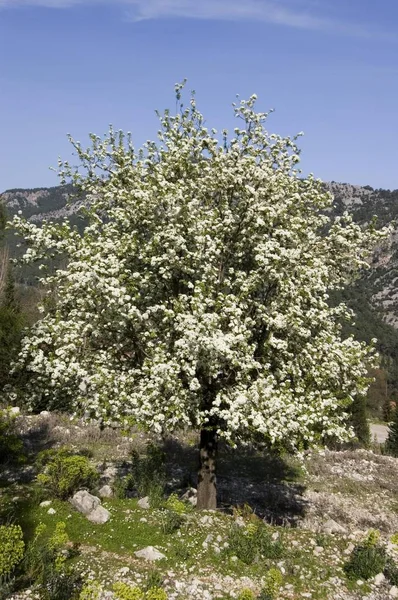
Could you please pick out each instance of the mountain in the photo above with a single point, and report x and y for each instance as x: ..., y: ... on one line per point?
x: 373, y: 297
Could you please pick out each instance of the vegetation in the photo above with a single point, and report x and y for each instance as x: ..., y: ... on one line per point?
x: 392, y: 440
x: 11, y: 548
x: 65, y: 473
x: 197, y: 295
x: 211, y: 313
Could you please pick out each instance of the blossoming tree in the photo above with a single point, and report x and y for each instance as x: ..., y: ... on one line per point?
x: 197, y: 295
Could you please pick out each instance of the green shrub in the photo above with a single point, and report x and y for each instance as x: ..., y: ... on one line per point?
x: 60, y: 584
x: 372, y: 538
x: 394, y: 538
x: 45, y: 565
x: 252, y: 542
x: 156, y: 593
x: 170, y: 521
x: 7, y: 585
x: 12, y: 548
x: 11, y: 446
x: 91, y: 591
x: 267, y: 547
x: 153, y: 580
x: 147, y: 476
x: 272, y: 584
x: 241, y: 544
x: 65, y: 473
x: 175, y: 504
x: 149, y: 469
x: 123, y: 591
x: 246, y: 594
x: 156, y: 495
x: 391, y: 445
x: 365, y: 562
x: 391, y: 571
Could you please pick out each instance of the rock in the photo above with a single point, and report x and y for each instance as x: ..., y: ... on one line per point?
x: 318, y: 550
x: 378, y: 580
x: 393, y: 593
x: 190, y: 495
x: 44, y: 413
x: 51, y: 511
x: 144, y: 502
x: 15, y: 410
x: 45, y: 503
x: 149, y: 553
x: 109, y: 473
x: 99, y: 515
x: 330, y: 526
x: 85, y: 502
x: 89, y: 505
x: 349, y: 548
x: 106, y: 491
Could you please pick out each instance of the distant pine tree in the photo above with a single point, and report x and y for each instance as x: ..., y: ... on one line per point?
x: 359, y: 421
x: 392, y: 440
x: 11, y: 318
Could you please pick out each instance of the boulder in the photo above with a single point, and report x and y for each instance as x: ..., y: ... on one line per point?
x: 149, y: 553
x: 379, y: 579
x: 330, y: 526
x: 106, y: 491
x: 144, y: 502
x: 99, y: 515
x: 190, y: 495
x: 85, y: 502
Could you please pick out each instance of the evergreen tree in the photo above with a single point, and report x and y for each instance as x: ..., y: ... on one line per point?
x: 359, y: 422
x: 11, y: 319
x: 392, y: 440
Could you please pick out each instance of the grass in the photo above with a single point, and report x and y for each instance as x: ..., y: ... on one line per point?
x: 196, y: 549
x: 105, y: 548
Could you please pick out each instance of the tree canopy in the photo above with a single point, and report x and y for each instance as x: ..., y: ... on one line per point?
x: 197, y: 296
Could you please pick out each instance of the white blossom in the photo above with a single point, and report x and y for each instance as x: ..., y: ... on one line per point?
x: 199, y: 289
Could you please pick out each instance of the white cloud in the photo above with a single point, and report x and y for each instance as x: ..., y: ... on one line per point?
x: 302, y: 14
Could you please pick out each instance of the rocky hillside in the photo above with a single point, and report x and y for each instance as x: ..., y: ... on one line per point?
x: 362, y: 202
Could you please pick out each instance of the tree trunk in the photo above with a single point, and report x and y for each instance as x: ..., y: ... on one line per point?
x: 207, y: 489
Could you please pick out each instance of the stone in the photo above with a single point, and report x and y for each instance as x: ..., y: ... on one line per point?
x: 15, y: 410
x: 85, y: 502
x: 45, y: 503
x: 144, y: 502
x: 240, y: 522
x: 149, y: 553
x: 99, y: 515
x: 51, y: 511
x: 109, y: 473
x: 330, y: 526
x: 319, y: 549
x: 378, y: 580
x: 89, y: 506
x: 106, y: 491
x: 44, y: 413
x: 393, y: 593
x: 190, y: 495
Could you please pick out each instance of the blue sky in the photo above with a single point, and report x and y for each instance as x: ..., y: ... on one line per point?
x: 328, y: 67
